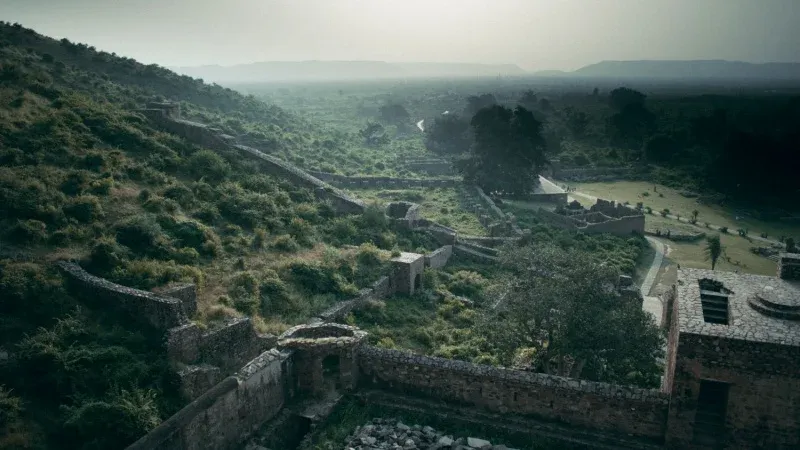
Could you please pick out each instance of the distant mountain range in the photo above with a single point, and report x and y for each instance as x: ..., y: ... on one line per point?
x: 697, y: 69
x: 342, y: 70
x: 363, y: 70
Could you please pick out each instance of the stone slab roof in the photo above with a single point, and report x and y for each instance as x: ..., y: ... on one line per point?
x: 407, y: 258
x: 745, y: 322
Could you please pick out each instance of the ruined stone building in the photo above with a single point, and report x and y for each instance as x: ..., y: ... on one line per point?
x: 733, y: 360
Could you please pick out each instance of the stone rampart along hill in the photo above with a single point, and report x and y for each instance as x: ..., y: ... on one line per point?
x: 85, y: 176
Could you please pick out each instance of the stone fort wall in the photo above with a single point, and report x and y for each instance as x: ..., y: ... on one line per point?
x: 230, y: 411
x: 763, y: 408
x: 599, y: 406
x: 159, y: 311
x: 203, y: 135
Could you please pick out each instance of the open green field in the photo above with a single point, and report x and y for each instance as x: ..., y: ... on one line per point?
x: 442, y: 205
x: 737, y: 255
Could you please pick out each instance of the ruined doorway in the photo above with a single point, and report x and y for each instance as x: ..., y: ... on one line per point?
x: 712, y: 408
x: 417, y: 281
x: 330, y: 372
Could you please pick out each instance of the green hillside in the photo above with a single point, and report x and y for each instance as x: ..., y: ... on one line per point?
x: 83, y: 176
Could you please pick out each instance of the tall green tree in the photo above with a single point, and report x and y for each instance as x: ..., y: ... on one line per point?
x: 508, y: 151
x: 562, y: 315
x: 713, y: 250
x: 448, y: 135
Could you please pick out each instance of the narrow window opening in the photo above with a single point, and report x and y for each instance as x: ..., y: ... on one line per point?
x: 714, y: 300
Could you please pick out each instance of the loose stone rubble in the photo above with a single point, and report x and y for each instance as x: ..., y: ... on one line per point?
x: 394, y: 434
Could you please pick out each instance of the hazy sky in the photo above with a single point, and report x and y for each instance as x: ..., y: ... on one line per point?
x: 536, y: 34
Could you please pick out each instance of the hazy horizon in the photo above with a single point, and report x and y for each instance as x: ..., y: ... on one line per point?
x: 563, y: 35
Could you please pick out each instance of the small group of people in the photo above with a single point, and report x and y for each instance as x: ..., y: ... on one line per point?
x: 568, y: 188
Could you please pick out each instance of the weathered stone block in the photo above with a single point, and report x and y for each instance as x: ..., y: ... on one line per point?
x: 407, y: 272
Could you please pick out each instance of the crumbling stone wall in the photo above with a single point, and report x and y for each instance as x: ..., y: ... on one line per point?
x: 206, y: 136
x: 232, y: 345
x: 224, y: 416
x: 185, y: 292
x: 764, y: 395
x: 406, y: 214
x: 600, y: 406
x: 431, y: 167
x: 622, y: 226
x: 157, y: 310
x: 439, y: 257
x: 342, y: 202
x: 197, y: 133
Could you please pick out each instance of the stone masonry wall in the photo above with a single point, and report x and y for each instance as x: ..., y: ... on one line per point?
x: 231, y: 346
x: 204, y: 135
x: 224, y: 416
x: 159, y: 311
x: 600, y: 406
x: 622, y: 226
x: 439, y: 257
x: 670, y: 319
x: 764, y: 395
x: 342, y: 202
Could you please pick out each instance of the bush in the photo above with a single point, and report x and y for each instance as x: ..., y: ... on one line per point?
x: 301, y: 231
x: 368, y: 255
x: 285, y: 243
x: 181, y: 194
x: 140, y: 233
x: 665, y: 212
x: 85, y: 208
x: 466, y: 283
x: 723, y: 229
x: 106, y: 255
x: 10, y: 408
x: 29, y: 231
x: 209, y: 165
x: 274, y: 294
x: 259, y: 238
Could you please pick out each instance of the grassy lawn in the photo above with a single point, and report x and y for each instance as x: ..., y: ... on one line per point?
x: 691, y: 254
x: 442, y: 205
x: 632, y: 191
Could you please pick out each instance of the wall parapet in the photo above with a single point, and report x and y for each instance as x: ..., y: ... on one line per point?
x: 159, y: 311
x: 225, y: 415
x: 621, y: 409
x: 342, y: 202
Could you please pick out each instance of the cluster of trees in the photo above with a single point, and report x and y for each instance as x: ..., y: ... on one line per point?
x: 561, y: 315
x: 500, y: 149
x: 738, y: 146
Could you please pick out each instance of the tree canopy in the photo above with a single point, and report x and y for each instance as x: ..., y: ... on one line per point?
x: 561, y: 315
x: 449, y: 134
x: 508, y: 150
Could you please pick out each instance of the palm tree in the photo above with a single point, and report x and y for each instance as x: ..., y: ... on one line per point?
x: 713, y: 250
